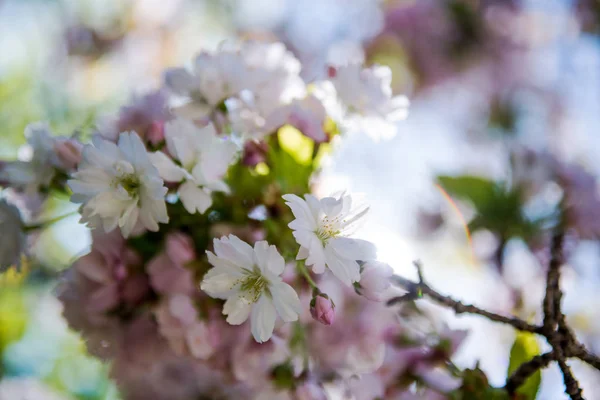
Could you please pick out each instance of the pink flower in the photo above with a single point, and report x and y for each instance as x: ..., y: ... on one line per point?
x: 167, y: 271
x: 374, y: 280
x: 178, y: 323
x: 322, y: 309
x: 105, y: 270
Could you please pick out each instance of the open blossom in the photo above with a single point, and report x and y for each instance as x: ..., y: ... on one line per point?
x: 322, y: 228
x: 204, y: 159
x: 119, y: 186
x: 249, y: 278
x: 253, y: 81
x: 374, y: 280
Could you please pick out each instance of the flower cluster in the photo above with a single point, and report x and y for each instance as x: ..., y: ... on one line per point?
x: 192, y: 236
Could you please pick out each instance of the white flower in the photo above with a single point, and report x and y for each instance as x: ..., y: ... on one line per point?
x: 119, y: 186
x: 375, y: 280
x: 366, y: 95
x: 214, y: 78
x: 204, y: 158
x: 250, y: 281
x: 322, y: 228
x: 253, y: 81
x: 368, y: 92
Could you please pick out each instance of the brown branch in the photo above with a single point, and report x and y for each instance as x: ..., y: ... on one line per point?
x: 525, y: 370
x: 555, y: 329
x: 418, y: 289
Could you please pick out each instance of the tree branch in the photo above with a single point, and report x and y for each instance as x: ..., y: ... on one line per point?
x: 418, y: 289
x: 527, y: 369
x: 555, y: 329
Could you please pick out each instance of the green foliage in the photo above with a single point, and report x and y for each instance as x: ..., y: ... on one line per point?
x: 476, y: 387
x: 283, y: 376
x: 524, y: 349
x: 498, y: 208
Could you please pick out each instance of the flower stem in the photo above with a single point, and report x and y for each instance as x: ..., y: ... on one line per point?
x: 302, y: 268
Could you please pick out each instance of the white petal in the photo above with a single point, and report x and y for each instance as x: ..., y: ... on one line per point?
x: 129, y: 218
x: 133, y: 148
x: 347, y: 271
x: 219, y: 283
x: 353, y: 249
x: 240, y: 254
x: 237, y: 310
x: 331, y: 206
x: 262, y: 319
x: 301, y: 211
x: 268, y: 258
x: 194, y: 198
x: 316, y: 256
x: 216, y: 161
x: 286, y: 301
x: 167, y: 169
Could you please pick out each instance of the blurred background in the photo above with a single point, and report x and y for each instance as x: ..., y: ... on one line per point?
x: 505, y: 97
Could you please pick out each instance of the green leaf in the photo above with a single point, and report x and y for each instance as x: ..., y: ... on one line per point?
x: 478, y: 191
x: 499, y: 209
x: 524, y: 349
x: 476, y: 387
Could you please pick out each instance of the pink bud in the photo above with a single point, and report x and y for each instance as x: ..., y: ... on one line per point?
x: 68, y: 152
x: 180, y: 248
x: 322, y: 309
x: 375, y: 280
x: 254, y: 153
x: 156, y: 132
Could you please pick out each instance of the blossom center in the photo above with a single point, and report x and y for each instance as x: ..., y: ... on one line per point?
x: 253, y: 285
x: 329, y: 229
x: 131, y: 184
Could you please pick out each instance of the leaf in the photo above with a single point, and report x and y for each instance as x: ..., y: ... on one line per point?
x: 499, y: 209
x: 478, y: 191
x: 524, y: 349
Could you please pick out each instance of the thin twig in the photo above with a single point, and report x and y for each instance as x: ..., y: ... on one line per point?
x: 418, y: 289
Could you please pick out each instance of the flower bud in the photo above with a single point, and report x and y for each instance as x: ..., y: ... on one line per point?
x: 68, y: 152
x: 374, y: 280
x: 180, y: 248
x: 322, y: 309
